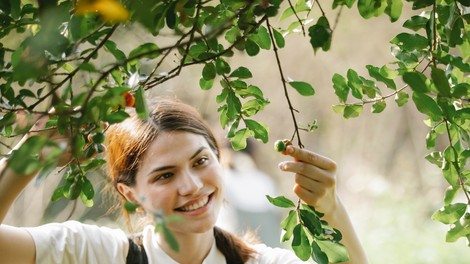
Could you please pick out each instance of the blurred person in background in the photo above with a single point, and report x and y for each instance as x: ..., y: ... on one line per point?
x: 247, y: 209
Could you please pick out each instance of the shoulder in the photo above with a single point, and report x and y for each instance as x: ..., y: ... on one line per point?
x: 77, y: 229
x: 274, y: 255
x: 82, y: 243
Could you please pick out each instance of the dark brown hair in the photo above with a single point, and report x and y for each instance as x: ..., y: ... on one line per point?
x: 128, y: 141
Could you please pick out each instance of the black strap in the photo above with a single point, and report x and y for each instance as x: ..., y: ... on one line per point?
x: 136, y: 254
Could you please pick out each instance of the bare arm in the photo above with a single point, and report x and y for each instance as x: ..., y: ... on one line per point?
x: 16, y: 245
x: 315, y: 184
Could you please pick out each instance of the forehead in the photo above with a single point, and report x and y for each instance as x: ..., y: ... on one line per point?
x: 175, y: 144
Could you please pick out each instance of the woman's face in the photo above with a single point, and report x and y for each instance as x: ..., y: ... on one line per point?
x: 181, y: 175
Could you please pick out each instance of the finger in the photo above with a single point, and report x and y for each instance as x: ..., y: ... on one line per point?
x: 309, y: 171
x: 315, y: 182
x: 308, y: 196
x: 311, y: 157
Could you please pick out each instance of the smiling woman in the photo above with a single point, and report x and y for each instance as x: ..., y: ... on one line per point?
x: 168, y: 165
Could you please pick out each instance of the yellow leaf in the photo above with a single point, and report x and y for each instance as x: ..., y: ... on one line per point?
x: 110, y: 10
x: 85, y: 7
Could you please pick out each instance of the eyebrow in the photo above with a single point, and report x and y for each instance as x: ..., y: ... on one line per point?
x: 163, y: 168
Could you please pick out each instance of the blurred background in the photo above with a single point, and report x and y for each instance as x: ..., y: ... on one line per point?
x: 388, y: 187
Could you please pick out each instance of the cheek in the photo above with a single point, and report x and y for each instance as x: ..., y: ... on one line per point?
x: 155, y: 199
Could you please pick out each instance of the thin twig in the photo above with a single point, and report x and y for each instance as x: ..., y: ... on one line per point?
x: 284, y: 85
x: 70, y: 76
x: 319, y: 6
x: 296, y: 16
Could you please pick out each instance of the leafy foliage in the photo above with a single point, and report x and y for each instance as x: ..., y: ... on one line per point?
x: 56, y: 64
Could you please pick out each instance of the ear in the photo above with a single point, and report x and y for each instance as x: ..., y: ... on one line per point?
x: 128, y: 192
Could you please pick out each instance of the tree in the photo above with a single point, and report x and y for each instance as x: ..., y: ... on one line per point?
x: 59, y: 64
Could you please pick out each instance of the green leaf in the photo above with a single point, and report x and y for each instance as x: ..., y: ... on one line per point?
x: 116, y: 117
x: 320, y: 34
x: 351, y: 111
x: 435, y: 158
x: 450, y: 194
x: 222, y: 67
x: 252, y: 49
x: 233, y: 105
x: 416, y: 23
x: 378, y: 106
x: 461, y: 90
x: 410, y: 42
x: 440, y: 80
x: 335, y: 251
x: 113, y: 49
x: 88, y: 67
x: 348, y: 3
x: 426, y: 105
x: 242, y: 73
x: 238, y: 141
x: 375, y: 73
x: 281, y: 201
x: 303, y: 88
x: 169, y: 237
x: 311, y: 221
x: 401, y: 98
x: 318, y: 255
x: 417, y: 81
x: 419, y: 4
x: 141, y: 104
x: 130, y: 207
x: 341, y: 87
x: 85, y: 200
x: 206, y: 84
x: 394, y: 9
x: 370, y: 8
x: 431, y: 139
x: 87, y: 189
x: 146, y: 50
x: 260, y: 130
x: 450, y: 172
x: 262, y: 38
x: 288, y: 224
x: 7, y: 119
x: 450, y: 214
x: 209, y: 72
x: 300, y: 243
x: 280, y: 42
x: 457, y: 232
x: 57, y: 194
x: 25, y: 159
x: 355, y: 83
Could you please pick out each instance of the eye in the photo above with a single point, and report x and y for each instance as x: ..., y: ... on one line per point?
x: 163, y: 176
x: 201, y: 161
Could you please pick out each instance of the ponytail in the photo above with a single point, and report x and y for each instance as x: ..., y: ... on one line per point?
x: 235, y: 250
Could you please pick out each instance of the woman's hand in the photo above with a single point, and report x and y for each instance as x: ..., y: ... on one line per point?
x: 314, y: 178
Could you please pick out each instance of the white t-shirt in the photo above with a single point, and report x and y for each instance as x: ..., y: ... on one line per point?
x: 72, y: 242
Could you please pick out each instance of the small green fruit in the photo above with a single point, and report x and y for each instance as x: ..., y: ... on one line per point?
x: 281, y: 145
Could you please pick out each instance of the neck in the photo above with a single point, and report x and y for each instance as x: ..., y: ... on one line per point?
x: 193, y: 248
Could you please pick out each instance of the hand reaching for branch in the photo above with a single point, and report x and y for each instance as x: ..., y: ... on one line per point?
x: 315, y: 176
x: 315, y: 184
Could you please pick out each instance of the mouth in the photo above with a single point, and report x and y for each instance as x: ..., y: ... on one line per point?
x: 193, y: 206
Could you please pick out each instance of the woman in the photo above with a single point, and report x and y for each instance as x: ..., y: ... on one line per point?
x: 169, y: 164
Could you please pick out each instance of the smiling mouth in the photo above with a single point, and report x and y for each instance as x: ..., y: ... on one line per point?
x: 194, y: 206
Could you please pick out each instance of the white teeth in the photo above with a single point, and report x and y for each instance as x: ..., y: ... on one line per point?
x: 196, y: 205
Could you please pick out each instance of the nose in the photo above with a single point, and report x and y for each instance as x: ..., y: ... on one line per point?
x: 190, y: 184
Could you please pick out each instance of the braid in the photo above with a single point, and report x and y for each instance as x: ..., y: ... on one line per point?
x: 235, y: 250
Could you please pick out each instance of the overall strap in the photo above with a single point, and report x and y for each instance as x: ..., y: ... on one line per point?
x: 136, y: 254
